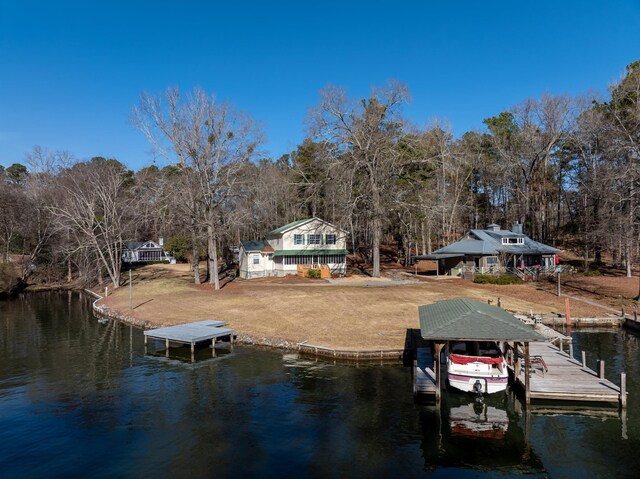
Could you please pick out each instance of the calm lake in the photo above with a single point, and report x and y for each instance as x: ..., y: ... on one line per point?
x: 79, y: 398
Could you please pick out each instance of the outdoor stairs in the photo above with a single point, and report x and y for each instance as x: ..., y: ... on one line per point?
x: 325, y: 272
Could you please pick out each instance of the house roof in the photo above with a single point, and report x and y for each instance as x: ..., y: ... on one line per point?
x: 288, y: 226
x: 484, y: 242
x: 438, y: 256
x: 255, y: 245
x: 469, y: 320
x: 469, y: 246
x: 295, y: 224
x: 134, y: 245
x: 307, y: 252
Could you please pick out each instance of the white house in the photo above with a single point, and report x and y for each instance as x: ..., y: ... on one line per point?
x: 145, y: 251
x: 305, y: 242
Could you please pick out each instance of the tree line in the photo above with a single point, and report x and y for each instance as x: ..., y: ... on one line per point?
x: 568, y: 168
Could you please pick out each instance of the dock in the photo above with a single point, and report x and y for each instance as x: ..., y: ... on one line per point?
x: 190, y: 333
x: 424, y: 378
x: 567, y: 379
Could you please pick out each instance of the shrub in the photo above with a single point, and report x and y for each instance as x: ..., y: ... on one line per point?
x: 590, y: 272
x: 179, y: 246
x: 313, y: 273
x: 502, y: 279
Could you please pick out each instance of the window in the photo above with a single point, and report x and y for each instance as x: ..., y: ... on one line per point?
x: 315, y: 239
x: 512, y: 240
x: 314, y: 259
x: 330, y: 239
x: 256, y: 259
x: 298, y: 239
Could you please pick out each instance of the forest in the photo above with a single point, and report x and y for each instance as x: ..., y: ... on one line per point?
x: 567, y: 168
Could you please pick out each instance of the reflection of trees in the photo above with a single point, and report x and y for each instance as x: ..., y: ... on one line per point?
x: 252, y: 413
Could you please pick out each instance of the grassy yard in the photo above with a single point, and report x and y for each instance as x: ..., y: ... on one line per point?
x: 359, y: 313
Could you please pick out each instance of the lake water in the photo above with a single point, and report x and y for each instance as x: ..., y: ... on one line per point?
x: 79, y: 398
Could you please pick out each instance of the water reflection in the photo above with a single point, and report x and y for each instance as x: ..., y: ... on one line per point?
x: 81, y: 398
x: 469, y: 433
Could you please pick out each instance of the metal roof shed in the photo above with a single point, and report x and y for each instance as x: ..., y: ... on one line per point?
x: 468, y: 320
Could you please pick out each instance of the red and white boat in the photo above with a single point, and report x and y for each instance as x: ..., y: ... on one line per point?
x: 477, y: 367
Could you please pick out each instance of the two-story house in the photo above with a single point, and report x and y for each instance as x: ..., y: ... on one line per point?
x: 309, y: 242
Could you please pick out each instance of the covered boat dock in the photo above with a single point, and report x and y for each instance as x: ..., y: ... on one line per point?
x: 552, y: 374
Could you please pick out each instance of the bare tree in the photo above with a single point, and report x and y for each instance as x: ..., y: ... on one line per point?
x: 96, y: 210
x: 209, y: 140
x: 364, y: 137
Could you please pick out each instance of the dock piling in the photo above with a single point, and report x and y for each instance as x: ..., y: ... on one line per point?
x: 527, y: 374
x: 601, y: 369
x: 623, y: 390
x: 584, y: 360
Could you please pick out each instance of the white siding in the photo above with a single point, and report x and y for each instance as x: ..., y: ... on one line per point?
x: 313, y: 227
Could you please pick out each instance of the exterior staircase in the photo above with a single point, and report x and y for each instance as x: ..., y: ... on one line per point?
x: 325, y: 272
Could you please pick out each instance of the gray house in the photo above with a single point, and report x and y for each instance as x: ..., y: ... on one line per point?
x: 145, y: 251
x: 493, y: 250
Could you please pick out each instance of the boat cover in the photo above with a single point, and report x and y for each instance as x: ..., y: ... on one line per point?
x: 458, y: 359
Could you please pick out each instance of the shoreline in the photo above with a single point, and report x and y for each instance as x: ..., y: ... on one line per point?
x: 316, y: 350
x: 273, y: 343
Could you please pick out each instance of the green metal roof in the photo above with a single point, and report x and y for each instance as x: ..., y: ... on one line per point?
x: 254, y: 245
x: 470, y: 320
x: 284, y: 228
x: 308, y: 252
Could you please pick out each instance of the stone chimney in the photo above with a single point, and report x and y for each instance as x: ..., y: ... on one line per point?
x: 516, y: 228
x: 161, y: 241
x: 493, y: 227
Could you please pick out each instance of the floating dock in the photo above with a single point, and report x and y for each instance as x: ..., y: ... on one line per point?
x: 190, y: 333
x: 567, y: 379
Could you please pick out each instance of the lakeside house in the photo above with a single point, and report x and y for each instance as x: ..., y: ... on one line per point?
x: 305, y: 244
x: 145, y: 251
x: 494, y: 251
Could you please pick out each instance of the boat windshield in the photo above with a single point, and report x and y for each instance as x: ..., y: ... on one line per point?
x: 487, y: 349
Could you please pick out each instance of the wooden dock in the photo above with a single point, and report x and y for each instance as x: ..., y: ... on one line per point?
x: 567, y: 379
x: 190, y: 333
x: 424, y: 378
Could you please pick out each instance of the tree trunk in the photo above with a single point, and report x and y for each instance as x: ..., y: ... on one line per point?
x: 376, y: 239
x: 212, y: 246
x: 376, y: 225
x: 195, y: 257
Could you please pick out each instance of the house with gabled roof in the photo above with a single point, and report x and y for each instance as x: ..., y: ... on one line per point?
x: 145, y: 251
x: 494, y: 250
x: 309, y: 243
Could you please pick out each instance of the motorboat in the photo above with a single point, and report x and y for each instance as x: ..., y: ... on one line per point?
x: 477, y: 367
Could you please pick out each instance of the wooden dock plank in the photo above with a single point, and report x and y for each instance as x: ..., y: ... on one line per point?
x: 191, y: 332
x: 424, y: 376
x: 566, y: 379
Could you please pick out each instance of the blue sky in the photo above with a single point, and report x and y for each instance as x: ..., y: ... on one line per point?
x: 71, y: 71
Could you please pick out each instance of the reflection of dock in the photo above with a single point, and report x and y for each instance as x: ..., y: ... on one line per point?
x: 566, y: 379
x: 190, y: 333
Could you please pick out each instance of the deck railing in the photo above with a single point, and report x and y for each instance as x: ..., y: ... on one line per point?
x: 525, y: 273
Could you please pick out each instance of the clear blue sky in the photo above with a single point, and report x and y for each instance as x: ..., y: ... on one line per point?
x: 71, y: 71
